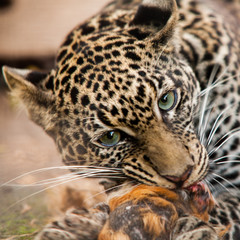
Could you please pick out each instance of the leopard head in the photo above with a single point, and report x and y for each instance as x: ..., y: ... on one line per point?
x: 121, y: 97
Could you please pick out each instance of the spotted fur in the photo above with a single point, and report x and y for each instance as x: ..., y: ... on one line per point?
x: 110, y: 75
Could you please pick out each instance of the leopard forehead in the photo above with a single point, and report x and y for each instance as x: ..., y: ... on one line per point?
x: 115, y: 71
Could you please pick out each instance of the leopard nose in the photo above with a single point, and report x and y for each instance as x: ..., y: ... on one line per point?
x: 181, y: 179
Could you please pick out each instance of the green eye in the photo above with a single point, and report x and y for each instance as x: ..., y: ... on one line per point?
x: 110, y: 139
x: 168, y: 101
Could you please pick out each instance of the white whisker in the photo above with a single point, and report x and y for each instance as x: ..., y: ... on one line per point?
x: 44, y: 182
x: 221, y: 185
x: 231, y: 133
x: 226, y: 156
x: 37, y: 171
x: 212, y: 188
x: 224, y: 179
x: 204, y: 104
x: 95, y: 174
x: 217, y: 83
x: 216, y: 124
x: 229, y: 161
x: 206, y: 121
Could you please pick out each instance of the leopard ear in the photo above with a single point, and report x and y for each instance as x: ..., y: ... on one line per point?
x: 25, y: 85
x: 162, y: 15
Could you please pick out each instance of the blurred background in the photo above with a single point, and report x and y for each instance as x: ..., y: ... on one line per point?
x: 31, y: 31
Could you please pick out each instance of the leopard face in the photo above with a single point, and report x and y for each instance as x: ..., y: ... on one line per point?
x: 121, y: 96
x: 139, y: 120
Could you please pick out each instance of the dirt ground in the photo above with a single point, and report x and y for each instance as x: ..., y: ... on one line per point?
x: 23, y: 145
x: 29, y: 30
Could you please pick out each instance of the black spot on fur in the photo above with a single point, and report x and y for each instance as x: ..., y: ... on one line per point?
x: 68, y: 41
x: 120, y: 23
x: 67, y: 88
x: 108, y: 46
x: 90, y: 53
x: 106, y: 85
x: 57, y: 84
x: 134, y: 66
x: 98, y: 59
x: 141, y: 91
x: 66, y: 111
x: 80, y: 61
x: 118, y: 43
x: 61, y: 55
x: 115, y: 53
x: 163, y: 58
x: 72, y: 69
x: 64, y: 68
x: 75, y: 47
x: 133, y: 56
x: 80, y: 149
x: 99, y: 97
x: 95, y: 87
x: 96, y: 37
x: 134, y: 121
x: 98, y: 48
x: 89, y: 82
x: 92, y: 76
x: 69, y: 56
x: 65, y: 79
x: 114, y: 111
x: 87, y: 29
x: 93, y: 107
x: 85, y: 100
x: 75, y: 111
x: 107, y: 55
x: 104, y: 119
x: 142, y: 73
x: 177, y: 72
x: 70, y: 150
x: 77, y: 122
x: 207, y: 56
x: 103, y: 23
x: 74, y: 95
x: 86, y: 68
x: 124, y: 111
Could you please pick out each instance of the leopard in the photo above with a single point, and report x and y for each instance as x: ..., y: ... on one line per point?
x: 146, y: 92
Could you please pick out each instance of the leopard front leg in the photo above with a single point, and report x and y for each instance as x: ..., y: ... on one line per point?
x: 77, y: 224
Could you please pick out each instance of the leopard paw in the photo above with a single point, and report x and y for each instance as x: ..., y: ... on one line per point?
x: 192, y: 228
x: 77, y: 224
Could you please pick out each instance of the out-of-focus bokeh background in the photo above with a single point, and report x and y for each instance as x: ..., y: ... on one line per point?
x: 30, y: 33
